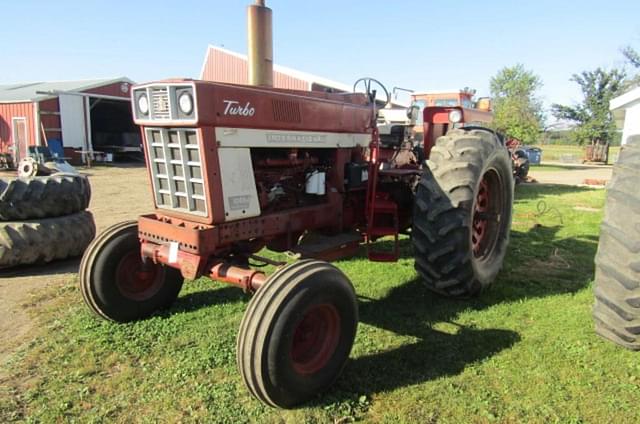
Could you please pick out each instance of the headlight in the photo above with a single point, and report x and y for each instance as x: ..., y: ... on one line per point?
x: 143, y: 104
x: 185, y: 101
x: 455, y: 116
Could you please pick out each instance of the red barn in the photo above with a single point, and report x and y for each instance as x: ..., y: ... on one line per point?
x: 86, y: 116
x: 223, y: 65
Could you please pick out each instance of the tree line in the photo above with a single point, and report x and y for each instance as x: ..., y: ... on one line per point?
x: 518, y: 111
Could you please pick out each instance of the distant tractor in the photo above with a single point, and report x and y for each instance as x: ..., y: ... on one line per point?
x: 457, y: 110
x: 235, y: 169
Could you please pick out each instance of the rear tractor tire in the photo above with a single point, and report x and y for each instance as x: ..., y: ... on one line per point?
x: 43, y: 197
x: 297, y: 333
x: 462, y: 213
x: 617, y: 281
x: 117, y: 285
x: 44, y: 240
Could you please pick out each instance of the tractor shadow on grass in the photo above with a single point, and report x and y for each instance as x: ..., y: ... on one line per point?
x: 530, y: 191
x: 538, y: 264
x: 204, y: 298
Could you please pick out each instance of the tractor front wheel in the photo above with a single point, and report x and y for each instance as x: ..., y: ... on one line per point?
x: 462, y: 214
x: 115, y: 282
x: 297, y: 333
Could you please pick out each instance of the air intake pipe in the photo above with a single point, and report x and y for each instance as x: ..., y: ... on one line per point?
x: 260, y: 40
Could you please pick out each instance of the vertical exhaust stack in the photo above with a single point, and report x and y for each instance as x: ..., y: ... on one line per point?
x: 260, y: 44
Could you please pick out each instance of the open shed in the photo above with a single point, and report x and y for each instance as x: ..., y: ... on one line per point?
x: 87, y: 117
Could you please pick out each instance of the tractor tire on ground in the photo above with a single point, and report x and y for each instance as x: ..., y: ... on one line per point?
x: 43, y: 197
x: 297, y: 333
x: 116, y: 284
x: 617, y: 281
x: 45, y: 240
x: 462, y: 213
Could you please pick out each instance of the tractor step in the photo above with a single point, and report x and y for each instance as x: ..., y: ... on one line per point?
x: 328, y: 248
x: 384, y: 223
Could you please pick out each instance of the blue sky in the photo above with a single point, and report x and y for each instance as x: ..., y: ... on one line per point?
x: 422, y: 45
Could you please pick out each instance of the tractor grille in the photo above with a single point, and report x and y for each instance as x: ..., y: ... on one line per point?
x: 286, y: 111
x: 176, y: 170
x: 160, y: 108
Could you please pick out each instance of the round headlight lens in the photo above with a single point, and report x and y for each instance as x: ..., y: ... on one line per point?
x: 143, y: 104
x: 455, y: 116
x: 185, y: 101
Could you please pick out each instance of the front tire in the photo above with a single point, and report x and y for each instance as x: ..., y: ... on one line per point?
x: 462, y: 214
x: 297, y: 333
x: 114, y: 282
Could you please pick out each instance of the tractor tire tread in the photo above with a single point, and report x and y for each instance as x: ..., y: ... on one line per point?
x: 45, y: 240
x: 444, y: 198
x: 43, y: 197
x: 616, y: 311
x: 256, y: 323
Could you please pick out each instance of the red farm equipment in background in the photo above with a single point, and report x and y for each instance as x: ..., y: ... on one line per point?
x: 234, y: 169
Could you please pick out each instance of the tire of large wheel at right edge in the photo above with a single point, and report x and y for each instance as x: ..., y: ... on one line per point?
x: 450, y: 206
x: 43, y: 197
x: 617, y: 279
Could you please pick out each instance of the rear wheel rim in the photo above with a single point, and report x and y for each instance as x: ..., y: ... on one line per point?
x: 136, y: 280
x: 315, y: 339
x: 487, y: 214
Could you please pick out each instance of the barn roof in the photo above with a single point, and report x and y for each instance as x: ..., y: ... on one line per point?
x: 304, y: 76
x: 33, y: 91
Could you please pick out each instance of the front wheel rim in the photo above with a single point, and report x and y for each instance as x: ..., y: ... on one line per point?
x: 315, y: 339
x: 136, y: 280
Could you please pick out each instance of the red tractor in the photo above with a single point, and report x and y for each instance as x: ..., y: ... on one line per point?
x: 438, y: 120
x: 235, y: 169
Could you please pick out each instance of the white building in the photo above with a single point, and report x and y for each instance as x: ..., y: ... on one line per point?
x: 626, y: 112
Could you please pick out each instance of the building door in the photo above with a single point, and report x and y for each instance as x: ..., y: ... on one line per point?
x: 19, y: 136
x: 72, y: 117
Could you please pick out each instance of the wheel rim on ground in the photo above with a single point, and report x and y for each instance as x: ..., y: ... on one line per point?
x: 315, y: 339
x: 136, y: 280
x: 487, y: 212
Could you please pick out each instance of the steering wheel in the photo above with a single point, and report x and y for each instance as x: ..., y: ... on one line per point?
x: 371, y: 94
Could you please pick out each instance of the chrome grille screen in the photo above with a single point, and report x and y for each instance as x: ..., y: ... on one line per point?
x: 160, y: 108
x: 176, y: 170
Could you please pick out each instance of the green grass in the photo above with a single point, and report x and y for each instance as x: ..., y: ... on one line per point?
x: 525, y: 351
x: 555, y: 152
x: 551, y: 168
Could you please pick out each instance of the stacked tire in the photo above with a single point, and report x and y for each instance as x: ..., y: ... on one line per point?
x: 43, y: 219
x: 617, y: 282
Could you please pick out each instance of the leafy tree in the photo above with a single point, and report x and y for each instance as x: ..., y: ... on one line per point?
x: 517, y: 110
x: 633, y: 58
x: 595, y: 123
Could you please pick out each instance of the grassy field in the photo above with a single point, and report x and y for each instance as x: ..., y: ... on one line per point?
x: 556, y: 152
x: 524, y: 351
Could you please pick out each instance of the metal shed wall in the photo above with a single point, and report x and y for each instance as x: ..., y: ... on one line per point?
x: 224, y: 67
x: 114, y: 90
x: 8, y: 111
